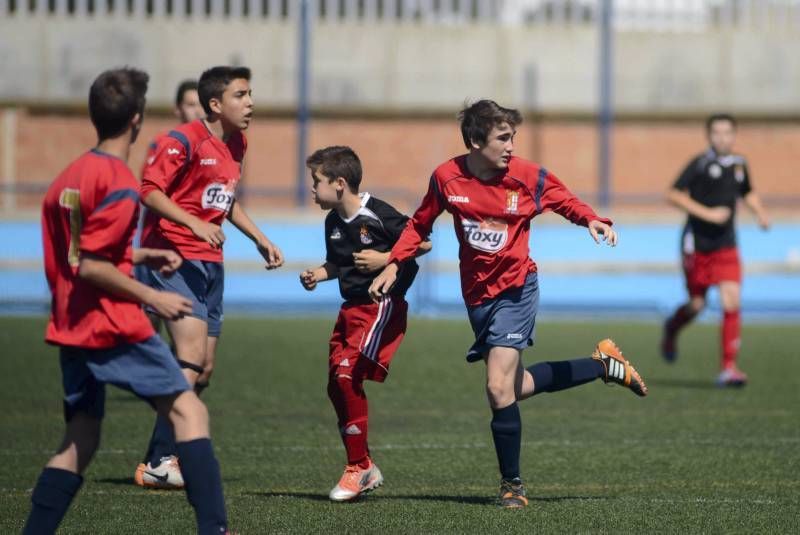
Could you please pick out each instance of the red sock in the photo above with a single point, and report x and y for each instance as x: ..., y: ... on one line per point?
x: 731, y: 337
x: 350, y: 402
x: 680, y: 318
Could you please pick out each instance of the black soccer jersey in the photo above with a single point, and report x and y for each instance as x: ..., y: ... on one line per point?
x: 376, y: 226
x: 713, y: 180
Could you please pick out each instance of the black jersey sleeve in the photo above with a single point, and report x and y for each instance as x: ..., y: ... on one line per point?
x: 744, y: 185
x: 688, y: 176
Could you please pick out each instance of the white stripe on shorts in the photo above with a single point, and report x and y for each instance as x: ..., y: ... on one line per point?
x: 373, y: 340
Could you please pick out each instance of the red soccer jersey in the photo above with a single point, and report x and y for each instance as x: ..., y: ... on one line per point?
x: 149, y: 221
x: 91, y: 208
x: 492, y: 221
x: 199, y: 173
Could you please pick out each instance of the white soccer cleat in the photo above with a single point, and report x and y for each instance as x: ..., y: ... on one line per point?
x: 731, y: 376
x: 356, y: 481
x: 166, y: 475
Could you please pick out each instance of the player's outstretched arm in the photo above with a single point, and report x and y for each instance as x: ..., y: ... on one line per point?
x: 718, y: 215
x: 601, y: 231
x: 157, y: 201
x: 753, y: 202
x: 271, y: 252
x: 165, y: 261
x: 104, y: 275
x: 310, y: 277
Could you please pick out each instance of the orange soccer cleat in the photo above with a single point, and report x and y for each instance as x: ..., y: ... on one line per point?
x: 618, y: 370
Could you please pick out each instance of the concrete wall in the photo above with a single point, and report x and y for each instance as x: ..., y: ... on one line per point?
x: 398, y: 66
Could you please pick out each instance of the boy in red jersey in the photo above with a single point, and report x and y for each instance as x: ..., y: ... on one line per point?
x: 707, y: 191
x: 160, y: 468
x: 359, y: 232
x: 189, y: 188
x: 187, y: 109
x: 88, y: 222
x: 493, y: 196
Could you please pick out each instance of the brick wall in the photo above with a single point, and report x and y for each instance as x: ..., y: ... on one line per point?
x: 399, y: 154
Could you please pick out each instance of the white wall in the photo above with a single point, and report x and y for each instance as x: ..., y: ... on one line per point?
x: 390, y: 65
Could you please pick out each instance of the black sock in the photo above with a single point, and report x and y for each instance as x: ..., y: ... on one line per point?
x: 162, y: 442
x: 51, y: 497
x: 507, y: 435
x: 203, y: 482
x: 555, y: 376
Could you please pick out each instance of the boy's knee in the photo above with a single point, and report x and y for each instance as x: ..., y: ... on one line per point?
x: 697, y: 304
x: 340, y: 383
x: 500, y: 392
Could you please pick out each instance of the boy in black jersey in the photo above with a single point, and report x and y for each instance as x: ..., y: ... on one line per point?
x: 707, y: 191
x: 360, y: 230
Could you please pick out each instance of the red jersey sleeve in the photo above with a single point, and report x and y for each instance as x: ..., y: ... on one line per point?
x: 419, y: 226
x: 557, y: 197
x: 108, y: 223
x: 166, y: 163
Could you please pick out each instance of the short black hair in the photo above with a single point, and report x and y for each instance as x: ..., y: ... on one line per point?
x: 115, y: 97
x: 214, y: 81
x: 713, y: 118
x: 337, y: 161
x: 183, y: 87
x: 478, y: 119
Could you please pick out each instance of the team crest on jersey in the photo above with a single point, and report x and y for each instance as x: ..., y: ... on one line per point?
x: 217, y: 197
x: 490, y: 235
x: 714, y: 170
x: 512, y: 202
x: 366, y: 239
x: 336, y: 233
x: 738, y: 172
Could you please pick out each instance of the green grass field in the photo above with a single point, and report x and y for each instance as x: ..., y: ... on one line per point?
x: 690, y: 458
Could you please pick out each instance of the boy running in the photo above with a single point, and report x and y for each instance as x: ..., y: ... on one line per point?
x: 88, y: 221
x: 707, y: 191
x: 359, y: 231
x: 189, y: 188
x: 493, y: 196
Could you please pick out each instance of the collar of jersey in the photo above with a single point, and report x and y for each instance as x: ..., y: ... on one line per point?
x: 724, y: 161
x: 364, y: 198
x: 98, y: 152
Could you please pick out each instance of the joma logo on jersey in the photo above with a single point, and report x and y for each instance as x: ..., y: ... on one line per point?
x: 217, y: 197
x: 208, y: 161
x: 458, y: 199
x: 173, y: 152
x: 490, y: 235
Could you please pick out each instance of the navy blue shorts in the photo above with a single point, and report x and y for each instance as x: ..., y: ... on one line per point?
x: 148, y: 369
x: 199, y: 281
x: 508, y: 320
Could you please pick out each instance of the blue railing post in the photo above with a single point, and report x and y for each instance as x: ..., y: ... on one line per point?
x: 606, y: 104
x: 303, y: 80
